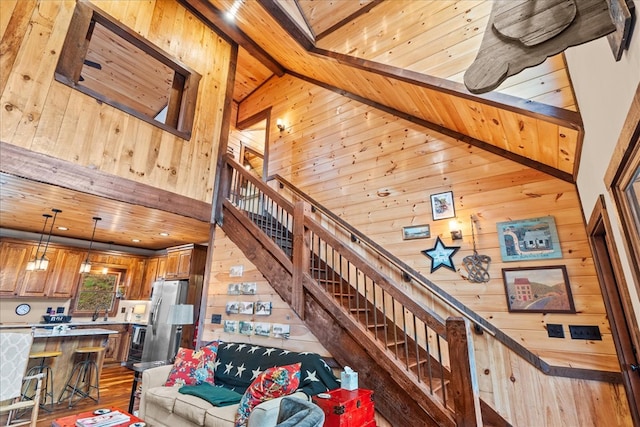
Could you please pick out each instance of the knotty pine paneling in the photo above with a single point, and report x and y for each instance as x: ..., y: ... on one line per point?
x: 45, y: 116
x: 377, y: 171
x: 225, y: 255
x: 477, y: 117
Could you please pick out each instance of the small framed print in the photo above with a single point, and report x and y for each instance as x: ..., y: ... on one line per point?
x: 230, y: 326
x: 246, y: 328
x: 245, y: 307
x: 262, y: 329
x: 280, y: 330
x: 248, y: 288
x: 442, y: 205
x: 416, y: 232
x: 263, y: 308
x: 232, y: 307
x: 233, y: 289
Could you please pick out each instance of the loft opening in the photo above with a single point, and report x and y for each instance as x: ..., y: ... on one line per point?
x: 110, y: 62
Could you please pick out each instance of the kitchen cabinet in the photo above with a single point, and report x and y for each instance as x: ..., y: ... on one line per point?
x: 14, y: 257
x: 65, y: 274
x: 151, y: 274
x: 178, y: 264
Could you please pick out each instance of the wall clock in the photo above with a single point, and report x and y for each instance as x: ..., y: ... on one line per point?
x: 23, y: 309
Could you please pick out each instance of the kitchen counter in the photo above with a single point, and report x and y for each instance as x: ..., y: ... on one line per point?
x: 97, y: 323
x: 46, y: 333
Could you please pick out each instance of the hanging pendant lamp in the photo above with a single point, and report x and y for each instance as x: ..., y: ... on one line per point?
x: 31, y: 265
x: 42, y: 263
x: 86, y: 265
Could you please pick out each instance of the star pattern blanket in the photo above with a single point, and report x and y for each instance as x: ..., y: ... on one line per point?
x: 238, y: 364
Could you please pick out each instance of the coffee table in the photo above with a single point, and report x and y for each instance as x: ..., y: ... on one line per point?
x: 70, y: 421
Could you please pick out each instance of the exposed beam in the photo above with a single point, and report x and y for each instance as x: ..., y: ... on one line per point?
x: 229, y: 31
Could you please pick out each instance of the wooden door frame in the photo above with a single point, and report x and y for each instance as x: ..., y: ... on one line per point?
x: 624, y: 327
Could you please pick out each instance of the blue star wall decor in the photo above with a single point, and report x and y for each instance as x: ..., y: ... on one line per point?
x: 441, y: 255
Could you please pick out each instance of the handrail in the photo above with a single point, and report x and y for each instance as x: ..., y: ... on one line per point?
x: 450, y: 301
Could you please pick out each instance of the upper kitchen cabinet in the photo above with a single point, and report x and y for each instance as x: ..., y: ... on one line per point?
x: 14, y: 257
x: 184, y: 261
x: 63, y: 278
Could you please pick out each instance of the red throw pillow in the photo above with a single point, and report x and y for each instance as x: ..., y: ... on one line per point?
x: 274, y: 382
x: 193, y: 366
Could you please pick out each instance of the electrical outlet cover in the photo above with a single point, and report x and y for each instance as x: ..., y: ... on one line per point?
x: 555, y: 330
x: 581, y: 332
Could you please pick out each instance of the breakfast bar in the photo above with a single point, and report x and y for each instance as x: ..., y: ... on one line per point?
x: 66, y: 342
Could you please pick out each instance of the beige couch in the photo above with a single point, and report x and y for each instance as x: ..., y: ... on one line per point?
x: 165, y: 406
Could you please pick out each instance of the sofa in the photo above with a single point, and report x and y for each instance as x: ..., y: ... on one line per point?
x: 235, y: 368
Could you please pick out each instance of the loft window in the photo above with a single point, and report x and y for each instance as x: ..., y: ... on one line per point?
x: 103, y: 59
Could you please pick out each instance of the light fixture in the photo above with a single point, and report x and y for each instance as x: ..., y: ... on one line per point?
x: 454, y: 228
x: 180, y: 314
x: 31, y: 265
x: 85, y: 267
x: 41, y: 264
x: 280, y: 125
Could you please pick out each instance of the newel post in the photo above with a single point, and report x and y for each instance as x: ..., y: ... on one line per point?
x: 464, y: 382
x: 300, y: 256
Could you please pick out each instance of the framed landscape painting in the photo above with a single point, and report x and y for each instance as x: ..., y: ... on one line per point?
x: 538, y: 289
x: 529, y: 239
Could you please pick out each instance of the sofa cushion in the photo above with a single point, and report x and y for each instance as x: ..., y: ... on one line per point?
x: 193, y: 366
x: 238, y: 364
x: 221, y: 416
x: 191, y: 408
x: 274, y: 382
x: 163, y: 397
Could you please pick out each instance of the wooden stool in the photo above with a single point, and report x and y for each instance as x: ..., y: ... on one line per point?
x: 86, y: 377
x: 48, y: 377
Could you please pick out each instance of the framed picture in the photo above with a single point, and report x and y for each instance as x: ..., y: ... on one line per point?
x: 246, y: 328
x: 263, y: 308
x: 538, y: 289
x: 416, y: 232
x: 245, y: 307
x: 527, y: 239
x: 231, y: 326
x: 248, y: 288
x: 262, y: 329
x: 442, y: 205
x: 281, y: 330
x: 622, y: 16
x: 232, y: 307
x: 233, y: 289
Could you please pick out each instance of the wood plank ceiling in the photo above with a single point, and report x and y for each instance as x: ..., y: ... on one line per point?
x: 406, y: 56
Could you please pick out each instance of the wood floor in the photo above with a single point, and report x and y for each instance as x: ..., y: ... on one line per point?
x: 115, y: 389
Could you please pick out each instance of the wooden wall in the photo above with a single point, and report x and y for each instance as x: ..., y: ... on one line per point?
x: 377, y: 171
x: 225, y: 255
x: 45, y: 116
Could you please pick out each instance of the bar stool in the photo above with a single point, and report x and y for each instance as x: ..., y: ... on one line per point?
x: 86, y: 376
x: 40, y: 368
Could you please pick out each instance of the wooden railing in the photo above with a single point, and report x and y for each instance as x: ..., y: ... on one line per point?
x: 437, y: 355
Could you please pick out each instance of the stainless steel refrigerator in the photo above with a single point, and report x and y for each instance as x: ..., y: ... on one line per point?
x: 161, y: 338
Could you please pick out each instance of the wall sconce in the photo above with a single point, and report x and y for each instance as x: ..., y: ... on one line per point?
x: 85, y: 267
x: 41, y: 264
x: 454, y: 228
x: 280, y: 125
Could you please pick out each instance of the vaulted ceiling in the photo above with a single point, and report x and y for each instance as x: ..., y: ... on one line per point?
x: 403, y: 56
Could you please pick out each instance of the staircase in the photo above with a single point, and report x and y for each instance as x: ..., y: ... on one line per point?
x: 416, y: 362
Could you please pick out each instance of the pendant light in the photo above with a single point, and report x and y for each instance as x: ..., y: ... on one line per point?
x: 86, y: 265
x: 31, y: 265
x: 42, y: 263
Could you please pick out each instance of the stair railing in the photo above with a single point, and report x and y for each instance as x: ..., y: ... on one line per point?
x: 435, y: 353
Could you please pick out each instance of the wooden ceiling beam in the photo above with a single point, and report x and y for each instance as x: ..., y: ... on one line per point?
x: 215, y: 18
x: 50, y: 170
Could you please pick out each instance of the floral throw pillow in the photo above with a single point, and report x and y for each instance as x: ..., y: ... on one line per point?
x: 274, y: 382
x: 193, y: 367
